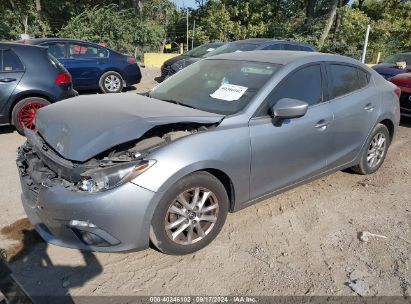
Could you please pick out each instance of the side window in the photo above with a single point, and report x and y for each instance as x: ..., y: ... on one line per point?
x: 11, y: 63
x: 57, y: 49
x: 272, y: 47
x: 291, y: 47
x: 81, y: 51
x: 346, y: 79
x: 305, y: 48
x: 1, y: 60
x: 305, y: 84
x: 363, y: 79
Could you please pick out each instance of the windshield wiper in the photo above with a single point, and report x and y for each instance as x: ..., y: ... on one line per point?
x: 178, y: 103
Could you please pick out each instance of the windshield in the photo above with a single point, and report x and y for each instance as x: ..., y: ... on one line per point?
x: 399, y: 58
x: 217, y: 86
x: 202, y: 50
x: 232, y: 47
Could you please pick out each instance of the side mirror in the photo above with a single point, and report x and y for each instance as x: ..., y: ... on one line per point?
x: 289, y: 108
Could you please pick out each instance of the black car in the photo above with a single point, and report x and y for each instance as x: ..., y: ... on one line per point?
x: 168, y: 68
x: 171, y: 66
x: 30, y: 78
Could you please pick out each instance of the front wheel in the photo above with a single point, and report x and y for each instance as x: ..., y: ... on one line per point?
x: 111, y: 82
x: 24, y: 113
x: 374, y: 153
x: 190, y: 215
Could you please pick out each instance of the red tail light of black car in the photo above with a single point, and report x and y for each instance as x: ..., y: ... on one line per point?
x: 63, y: 78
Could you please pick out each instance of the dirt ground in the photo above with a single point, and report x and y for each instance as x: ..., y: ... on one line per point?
x: 302, y: 242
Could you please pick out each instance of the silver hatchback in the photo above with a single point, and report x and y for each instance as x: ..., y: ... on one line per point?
x: 111, y: 173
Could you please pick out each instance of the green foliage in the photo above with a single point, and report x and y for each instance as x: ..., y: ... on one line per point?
x: 12, y: 22
x: 124, y: 25
x: 121, y: 30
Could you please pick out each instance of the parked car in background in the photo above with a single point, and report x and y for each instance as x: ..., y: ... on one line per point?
x: 30, y: 78
x: 394, y: 65
x: 171, y: 66
x: 219, y: 136
x: 403, y: 81
x: 240, y: 46
x: 93, y: 66
x: 263, y: 44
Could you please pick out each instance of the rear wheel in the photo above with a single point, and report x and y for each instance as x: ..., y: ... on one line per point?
x: 190, y: 215
x: 24, y: 113
x: 111, y: 82
x: 374, y: 153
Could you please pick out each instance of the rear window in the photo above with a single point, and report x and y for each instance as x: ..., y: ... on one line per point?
x: 57, y: 49
x: 276, y: 46
x: 55, y: 62
x: 11, y: 62
x: 346, y: 79
x: 291, y: 47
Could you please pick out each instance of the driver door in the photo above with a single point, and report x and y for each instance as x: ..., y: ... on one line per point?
x: 298, y: 148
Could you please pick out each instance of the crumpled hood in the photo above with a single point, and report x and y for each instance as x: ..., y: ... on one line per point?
x: 82, y: 127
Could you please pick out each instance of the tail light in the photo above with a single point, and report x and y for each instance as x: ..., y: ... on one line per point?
x: 397, y: 92
x: 63, y: 78
x: 131, y: 60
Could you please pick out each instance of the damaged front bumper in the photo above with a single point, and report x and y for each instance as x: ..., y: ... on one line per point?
x: 113, y: 220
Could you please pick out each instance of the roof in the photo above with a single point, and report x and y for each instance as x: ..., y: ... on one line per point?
x: 40, y: 40
x: 282, y: 57
x: 16, y: 45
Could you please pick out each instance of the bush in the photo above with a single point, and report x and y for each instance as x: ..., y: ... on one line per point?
x: 121, y: 30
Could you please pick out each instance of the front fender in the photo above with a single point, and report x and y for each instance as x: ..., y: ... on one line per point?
x: 227, y: 150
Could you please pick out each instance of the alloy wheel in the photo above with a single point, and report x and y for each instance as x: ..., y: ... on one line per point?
x: 112, y: 83
x: 191, y: 216
x: 376, y: 150
x: 27, y: 114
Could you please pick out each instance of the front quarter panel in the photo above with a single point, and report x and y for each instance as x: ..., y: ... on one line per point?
x: 224, y: 148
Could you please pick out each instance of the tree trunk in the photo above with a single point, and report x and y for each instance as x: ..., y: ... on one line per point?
x: 360, y: 4
x: 137, y: 7
x: 310, y: 9
x: 338, y: 17
x: 328, y: 25
x: 12, y: 5
x: 38, y: 8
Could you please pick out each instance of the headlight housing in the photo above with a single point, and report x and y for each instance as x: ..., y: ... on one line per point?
x: 103, y: 179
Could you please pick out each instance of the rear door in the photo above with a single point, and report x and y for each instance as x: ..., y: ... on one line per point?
x: 85, y: 64
x: 355, y: 104
x: 11, y: 72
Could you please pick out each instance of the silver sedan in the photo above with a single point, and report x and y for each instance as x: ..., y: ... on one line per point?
x: 111, y: 173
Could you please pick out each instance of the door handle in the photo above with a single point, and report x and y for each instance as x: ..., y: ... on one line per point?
x: 322, y: 124
x: 5, y: 80
x: 369, y: 107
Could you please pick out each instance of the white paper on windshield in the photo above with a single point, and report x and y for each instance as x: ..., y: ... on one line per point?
x: 229, y: 92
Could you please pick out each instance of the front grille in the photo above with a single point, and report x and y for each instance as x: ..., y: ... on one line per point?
x: 32, y: 172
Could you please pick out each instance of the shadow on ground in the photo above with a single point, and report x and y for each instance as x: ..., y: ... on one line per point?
x: 405, y: 122
x: 7, y: 129
x: 34, y: 268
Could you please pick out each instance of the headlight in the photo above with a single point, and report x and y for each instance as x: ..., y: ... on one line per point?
x: 108, y: 178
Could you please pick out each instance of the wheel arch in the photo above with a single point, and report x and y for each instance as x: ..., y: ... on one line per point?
x: 390, y: 126
x: 25, y: 95
x: 227, y: 183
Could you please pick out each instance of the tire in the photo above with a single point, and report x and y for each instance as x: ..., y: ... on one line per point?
x: 111, y: 82
x: 24, y: 113
x: 216, y: 203
x: 374, y: 152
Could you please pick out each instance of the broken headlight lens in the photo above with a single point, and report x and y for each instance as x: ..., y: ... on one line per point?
x: 108, y: 178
